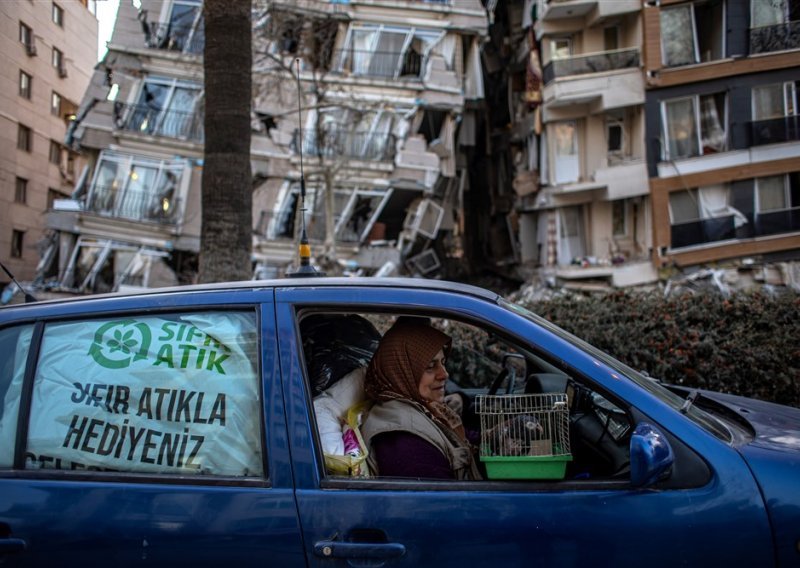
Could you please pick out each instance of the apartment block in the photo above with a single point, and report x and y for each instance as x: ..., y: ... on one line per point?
x: 723, y: 145
x: 49, y: 50
x: 588, y: 222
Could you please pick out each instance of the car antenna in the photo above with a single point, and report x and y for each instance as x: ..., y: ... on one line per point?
x: 305, y: 269
x: 28, y: 296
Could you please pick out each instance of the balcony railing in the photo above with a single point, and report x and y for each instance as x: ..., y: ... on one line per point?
x: 133, y: 204
x: 703, y: 231
x: 361, y: 145
x: 779, y: 37
x: 775, y: 130
x: 723, y: 228
x: 383, y: 64
x: 172, y: 37
x: 159, y: 122
x: 591, y: 63
x: 777, y: 222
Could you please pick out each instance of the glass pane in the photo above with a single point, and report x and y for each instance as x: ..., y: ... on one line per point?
x: 14, y: 344
x: 683, y: 206
x: 771, y: 193
x: 681, y: 129
x: 362, y: 47
x: 174, y: 394
x: 768, y: 12
x: 767, y: 102
x: 712, y: 123
x: 677, y: 36
x: 107, y: 182
x: 561, y: 48
x: 138, y: 193
x: 388, y: 51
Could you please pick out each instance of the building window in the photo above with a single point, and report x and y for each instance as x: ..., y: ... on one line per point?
x: 772, y: 12
x: 55, y: 104
x: 695, y: 126
x: 24, y: 138
x: 772, y: 193
x: 703, y: 215
x: 55, y: 152
x: 774, y: 101
x: 17, y: 242
x: 25, y: 85
x: 388, y: 52
x: 619, y: 218
x: 58, y: 58
x: 53, y: 195
x: 25, y: 35
x: 168, y: 107
x: 693, y: 33
x: 21, y: 191
x: 58, y: 15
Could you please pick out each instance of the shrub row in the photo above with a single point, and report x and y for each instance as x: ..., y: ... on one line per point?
x: 747, y: 344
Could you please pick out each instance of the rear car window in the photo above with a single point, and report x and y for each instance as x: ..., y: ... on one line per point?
x: 14, y: 345
x: 166, y: 394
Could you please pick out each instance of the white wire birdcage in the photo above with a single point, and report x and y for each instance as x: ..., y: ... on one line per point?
x: 523, y: 425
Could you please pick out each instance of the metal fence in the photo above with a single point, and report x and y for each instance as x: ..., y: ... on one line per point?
x: 591, y: 63
x: 133, y: 204
x: 779, y: 37
x: 383, y: 64
x: 145, y: 119
x: 356, y: 144
x: 171, y: 37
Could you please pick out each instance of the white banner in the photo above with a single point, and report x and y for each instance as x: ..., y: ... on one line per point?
x: 149, y: 394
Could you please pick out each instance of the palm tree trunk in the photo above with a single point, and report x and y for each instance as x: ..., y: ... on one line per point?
x: 226, y: 233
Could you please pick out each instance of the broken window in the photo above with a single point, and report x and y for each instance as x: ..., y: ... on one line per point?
x: 137, y: 188
x: 336, y: 131
x: 695, y: 126
x: 355, y: 217
x: 387, y: 51
x: 692, y: 33
x: 285, y: 222
x: 184, y: 29
x: 702, y: 215
x: 168, y: 107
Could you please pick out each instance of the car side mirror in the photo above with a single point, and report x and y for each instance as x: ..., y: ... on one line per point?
x: 651, y: 455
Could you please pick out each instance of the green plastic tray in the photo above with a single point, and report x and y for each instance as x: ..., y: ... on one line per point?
x: 526, y: 467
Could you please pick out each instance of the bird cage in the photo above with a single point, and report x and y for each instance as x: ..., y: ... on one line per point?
x: 524, y: 436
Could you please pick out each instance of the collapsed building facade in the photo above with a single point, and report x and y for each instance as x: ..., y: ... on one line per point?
x: 526, y: 137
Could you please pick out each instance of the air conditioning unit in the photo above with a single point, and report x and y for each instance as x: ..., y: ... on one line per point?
x: 30, y: 48
x: 62, y: 71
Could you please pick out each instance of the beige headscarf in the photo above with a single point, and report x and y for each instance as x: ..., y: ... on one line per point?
x: 397, y: 366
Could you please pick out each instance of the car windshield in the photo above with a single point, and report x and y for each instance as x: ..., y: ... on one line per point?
x: 652, y: 386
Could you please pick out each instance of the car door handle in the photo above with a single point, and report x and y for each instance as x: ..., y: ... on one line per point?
x: 371, y: 550
x: 11, y: 545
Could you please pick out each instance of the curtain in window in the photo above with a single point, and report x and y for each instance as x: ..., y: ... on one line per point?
x: 362, y: 47
x: 677, y: 36
x: 712, y: 114
x: 714, y: 203
x: 771, y: 193
x: 768, y: 12
x: 681, y: 129
x: 138, y: 192
x: 388, y: 54
x: 768, y: 102
x: 178, y: 118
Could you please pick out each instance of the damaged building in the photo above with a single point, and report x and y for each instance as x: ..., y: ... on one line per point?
x: 572, y: 141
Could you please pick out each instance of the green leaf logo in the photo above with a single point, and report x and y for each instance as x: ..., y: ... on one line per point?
x: 118, y: 343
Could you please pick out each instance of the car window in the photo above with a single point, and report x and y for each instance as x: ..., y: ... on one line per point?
x: 14, y: 345
x: 167, y: 394
x: 509, y: 399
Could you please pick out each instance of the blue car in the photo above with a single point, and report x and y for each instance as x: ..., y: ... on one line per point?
x: 198, y: 426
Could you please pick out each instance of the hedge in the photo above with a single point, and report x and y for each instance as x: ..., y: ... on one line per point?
x: 747, y: 344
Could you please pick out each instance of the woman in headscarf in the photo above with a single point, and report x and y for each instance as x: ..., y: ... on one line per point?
x: 410, y: 431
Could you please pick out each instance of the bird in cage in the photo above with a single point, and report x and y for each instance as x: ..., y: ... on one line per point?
x: 514, y: 436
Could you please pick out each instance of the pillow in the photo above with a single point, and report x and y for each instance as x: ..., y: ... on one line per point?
x: 331, y: 408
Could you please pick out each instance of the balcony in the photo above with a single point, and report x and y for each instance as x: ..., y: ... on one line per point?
x: 590, y: 12
x: 144, y: 119
x: 135, y: 205
x: 358, y: 145
x: 380, y: 64
x: 591, y: 63
x: 171, y: 37
x: 779, y: 37
x: 605, y: 80
x: 775, y: 130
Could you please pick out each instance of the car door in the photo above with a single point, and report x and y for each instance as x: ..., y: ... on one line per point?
x: 391, y: 522
x: 148, y: 431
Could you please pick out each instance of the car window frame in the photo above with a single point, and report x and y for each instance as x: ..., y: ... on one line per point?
x: 145, y: 308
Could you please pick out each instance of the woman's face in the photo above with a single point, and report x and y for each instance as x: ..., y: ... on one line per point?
x: 431, y: 385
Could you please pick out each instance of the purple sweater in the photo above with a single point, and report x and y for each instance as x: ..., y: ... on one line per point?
x: 403, y: 454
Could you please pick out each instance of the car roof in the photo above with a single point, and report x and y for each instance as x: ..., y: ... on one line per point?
x: 312, y: 282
